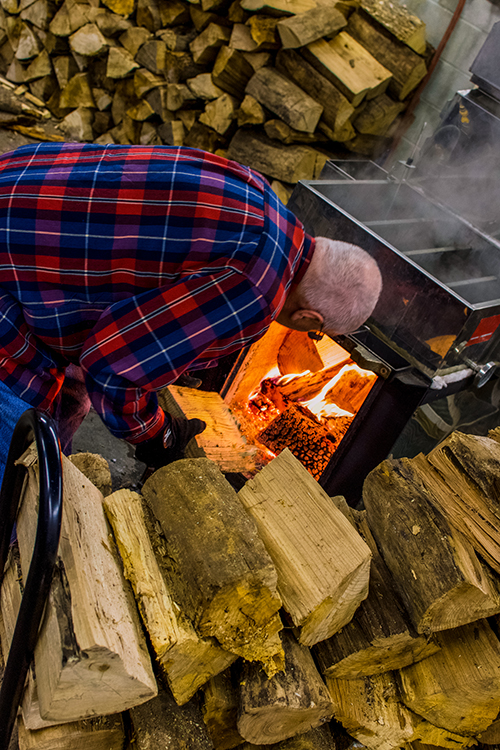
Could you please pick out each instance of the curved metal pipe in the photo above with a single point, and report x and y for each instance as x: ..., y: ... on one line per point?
x: 31, y: 423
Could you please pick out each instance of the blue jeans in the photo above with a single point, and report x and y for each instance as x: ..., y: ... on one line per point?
x: 68, y: 411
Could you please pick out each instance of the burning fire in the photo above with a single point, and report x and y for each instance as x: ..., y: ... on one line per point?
x: 307, y: 402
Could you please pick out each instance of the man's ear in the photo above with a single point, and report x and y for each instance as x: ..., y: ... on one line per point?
x: 307, y: 320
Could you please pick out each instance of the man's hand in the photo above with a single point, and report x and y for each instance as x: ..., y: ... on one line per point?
x: 169, y: 445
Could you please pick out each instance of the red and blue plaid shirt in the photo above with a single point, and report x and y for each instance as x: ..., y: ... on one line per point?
x: 134, y: 262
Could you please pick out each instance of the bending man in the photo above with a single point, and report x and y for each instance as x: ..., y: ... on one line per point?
x: 123, y: 266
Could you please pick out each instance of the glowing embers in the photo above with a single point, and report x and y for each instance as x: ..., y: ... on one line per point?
x: 311, y: 411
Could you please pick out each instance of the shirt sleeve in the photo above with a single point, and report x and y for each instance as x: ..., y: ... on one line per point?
x: 142, y: 344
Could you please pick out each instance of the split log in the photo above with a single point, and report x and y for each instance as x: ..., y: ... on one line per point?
x: 250, y: 112
x: 323, y: 564
x: 120, y: 63
x: 407, y: 68
x: 349, y: 67
x: 145, y: 81
x: 231, y: 71
x: 38, y: 14
x: 91, y: 658
x: 202, y: 18
x: 206, y: 46
x: 68, y: 19
x: 468, y: 467
x: 220, y: 711
x: 88, y: 41
x: 104, y: 733
x: 257, y: 59
x: 378, y: 115
x: 263, y: 31
x: 122, y: 7
x: 278, y: 130
x: 337, y: 109
x: 491, y: 736
x: 77, y: 126
x: 291, y: 702
x: 179, y: 95
x: 380, y: 637
x: 95, y: 468
x: 134, y: 38
x: 228, y: 579
x: 241, y: 39
x: 40, y: 67
x: 220, y: 113
x: 200, y: 136
x: 436, y: 572
x: 187, y: 660
x: 110, y: 24
x: 77, y: 93
x: 302, y: 29
x: 371, y: 711
x: 179, y: 66
x: 173, y: 13
x: 457, y: 688
x: 148, y: 15
x: 222, y: 441
x: 279, y: 7
x: 298, y: 353
x: 288, y: 164
x: 65, y: 68
x: 285, y: 99
x: 398, y: 20
x: 172, y: 133
x: 28, y: 45
x: 203, y: 86
x: 153, y: 55
x: 157, y: 100
x: 368, y: 145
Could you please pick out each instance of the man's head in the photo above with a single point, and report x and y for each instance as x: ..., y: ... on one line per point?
x: 337, y: 293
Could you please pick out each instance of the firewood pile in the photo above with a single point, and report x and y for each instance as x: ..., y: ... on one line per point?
x: 296, y: 618
x: 272, y: 83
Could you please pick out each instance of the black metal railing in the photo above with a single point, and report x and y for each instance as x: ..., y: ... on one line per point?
x: 31, y: 424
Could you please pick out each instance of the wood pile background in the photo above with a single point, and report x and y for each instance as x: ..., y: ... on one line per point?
x: 274, y: 84
x: 300, y: 623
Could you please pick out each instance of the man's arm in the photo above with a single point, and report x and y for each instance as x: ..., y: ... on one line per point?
x: 142, y: 344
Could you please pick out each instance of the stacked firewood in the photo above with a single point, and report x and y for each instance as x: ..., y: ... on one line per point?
x: 271, y: 83
x: 302, y: 620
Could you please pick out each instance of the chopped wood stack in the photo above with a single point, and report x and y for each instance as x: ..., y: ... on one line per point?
x: 275, y: 85
x: 265, y: 599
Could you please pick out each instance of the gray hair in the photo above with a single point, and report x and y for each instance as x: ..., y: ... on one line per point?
x: 343, y: 283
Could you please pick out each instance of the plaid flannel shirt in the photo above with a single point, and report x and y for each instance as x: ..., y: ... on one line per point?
x: 134, y: 262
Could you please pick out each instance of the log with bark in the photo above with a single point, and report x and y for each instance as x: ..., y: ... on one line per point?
x: 228, y: 579
x: 457, y: 688
x: 380, y: 637
x: 293, y: 701
x: 187, y: 660
x: 436, y: 571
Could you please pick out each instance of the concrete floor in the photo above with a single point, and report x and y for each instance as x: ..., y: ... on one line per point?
x: 94, y: 437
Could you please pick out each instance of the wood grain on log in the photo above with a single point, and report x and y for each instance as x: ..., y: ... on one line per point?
x: 458, y: 687
x: 349, y: 67
x: 407, y: 68
x: 322, y: 562
x: 103, y: 733
x: 289, y: 164
x: 435, y: 569
x: 397, y: 19
x: 222, y: 440
x: 285, y: 99
x: 304, y: 28
x: 289, y: 703
x: 380, y: 637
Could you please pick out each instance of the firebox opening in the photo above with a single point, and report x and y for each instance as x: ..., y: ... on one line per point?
x: 291, y: 391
